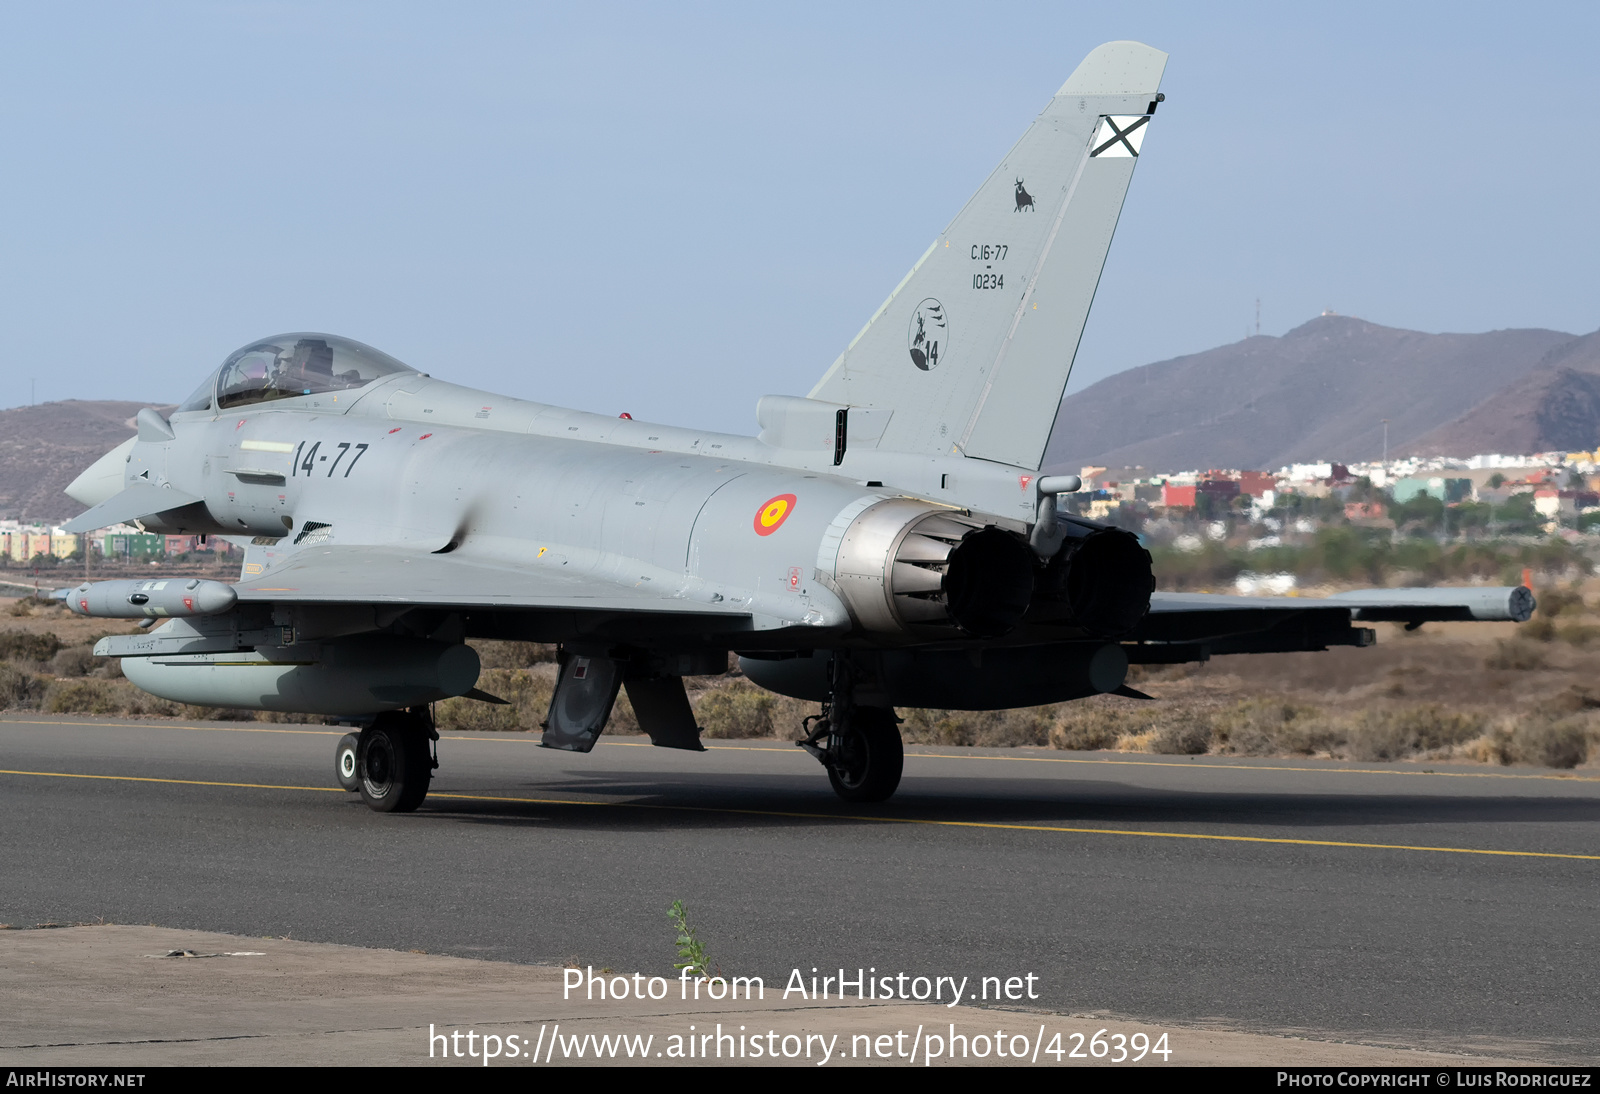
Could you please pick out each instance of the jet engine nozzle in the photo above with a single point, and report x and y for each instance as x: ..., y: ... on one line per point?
x: 912, y: 567
x: 1100, y: 580
x: 151, y: 599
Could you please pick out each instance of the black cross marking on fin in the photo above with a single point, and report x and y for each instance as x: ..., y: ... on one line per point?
x: 1121, y: 135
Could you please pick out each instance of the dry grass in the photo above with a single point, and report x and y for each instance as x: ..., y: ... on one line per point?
x: 19, y: 690
x: 1257, y: 727
x: 526, y: 690
x: 21, y: 645
x: 729, y: 706
x: 1516, y: 655
x: 494, y: 654
x: 995, y: 728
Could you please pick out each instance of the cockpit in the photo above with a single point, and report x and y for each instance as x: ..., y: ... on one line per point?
x: 291, y: 365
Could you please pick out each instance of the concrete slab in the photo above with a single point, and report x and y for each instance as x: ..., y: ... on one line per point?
x: 112, y: 996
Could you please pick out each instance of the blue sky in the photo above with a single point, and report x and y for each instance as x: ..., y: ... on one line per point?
x: 671, y: 210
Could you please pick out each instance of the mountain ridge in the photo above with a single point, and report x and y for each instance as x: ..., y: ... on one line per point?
x: 1320, y: 391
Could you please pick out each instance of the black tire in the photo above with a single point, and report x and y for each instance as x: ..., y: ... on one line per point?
x: 869, y: 757
x: 395, y: 765
x: 347, y: 762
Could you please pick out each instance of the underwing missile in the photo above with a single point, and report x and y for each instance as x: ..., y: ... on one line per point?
x: 150, y: 599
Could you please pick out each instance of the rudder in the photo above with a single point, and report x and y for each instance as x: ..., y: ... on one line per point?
x: 971, y: 352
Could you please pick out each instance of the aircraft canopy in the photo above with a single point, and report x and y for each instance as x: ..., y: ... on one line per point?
x: 289, y: 365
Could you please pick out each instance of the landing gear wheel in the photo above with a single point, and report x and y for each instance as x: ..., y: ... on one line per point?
x: 346, y: 765
x: 866, y: 758
x: 394, y: 763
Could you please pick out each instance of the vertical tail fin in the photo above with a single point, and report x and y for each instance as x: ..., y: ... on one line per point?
x: 972, y: 350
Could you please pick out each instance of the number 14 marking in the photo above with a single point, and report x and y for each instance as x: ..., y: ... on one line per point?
x: 308, y: 465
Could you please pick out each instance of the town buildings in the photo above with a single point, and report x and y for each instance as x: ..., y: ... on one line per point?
x: 1363, y: 493
x: 27, y: 544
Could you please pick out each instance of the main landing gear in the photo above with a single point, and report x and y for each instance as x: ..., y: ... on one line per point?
x: 859, y: 745
x: 391, y: 763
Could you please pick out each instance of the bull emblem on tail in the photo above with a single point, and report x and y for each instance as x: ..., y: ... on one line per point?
x: 1024, y: 199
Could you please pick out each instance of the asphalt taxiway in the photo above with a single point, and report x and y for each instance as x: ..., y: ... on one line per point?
x: 1449, y: 909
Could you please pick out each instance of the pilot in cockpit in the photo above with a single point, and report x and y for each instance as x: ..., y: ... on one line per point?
x: 309, y: 367
x: 293, y: 365
x: 313, y: 358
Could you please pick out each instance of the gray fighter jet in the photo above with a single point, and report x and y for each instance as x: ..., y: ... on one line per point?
x: 887, y: 540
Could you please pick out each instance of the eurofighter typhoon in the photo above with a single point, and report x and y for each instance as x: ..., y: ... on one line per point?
x: 887, y: 540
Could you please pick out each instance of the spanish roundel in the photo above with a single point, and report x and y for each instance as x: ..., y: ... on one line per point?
x: 770, y: 517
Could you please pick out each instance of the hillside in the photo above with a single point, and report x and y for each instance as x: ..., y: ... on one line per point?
x: 1318, y: 392
x: 44, y: 447
x: 1554, y: 407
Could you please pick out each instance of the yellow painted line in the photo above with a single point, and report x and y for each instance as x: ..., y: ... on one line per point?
x: 325, y: 731
x: 1258, y: 767
x: 792, y: 751
x: 1209, y: 766
x: 174, y: 782
x: 1031, y: 827
x: 529, y: 740
x: 791, y: 815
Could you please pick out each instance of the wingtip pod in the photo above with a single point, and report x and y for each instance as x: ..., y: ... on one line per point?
x: 1117, y: 68
x: 1506, y: 604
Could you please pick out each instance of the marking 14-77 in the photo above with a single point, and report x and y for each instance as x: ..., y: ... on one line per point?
x: 309, y: 465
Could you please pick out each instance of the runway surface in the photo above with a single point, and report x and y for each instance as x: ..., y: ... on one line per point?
x: 1453, y: 909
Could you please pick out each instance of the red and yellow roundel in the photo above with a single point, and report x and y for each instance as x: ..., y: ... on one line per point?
x: 771, y: 516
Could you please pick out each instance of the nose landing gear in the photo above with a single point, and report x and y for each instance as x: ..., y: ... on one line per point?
x: 347, y: 762
x: 390, y: 763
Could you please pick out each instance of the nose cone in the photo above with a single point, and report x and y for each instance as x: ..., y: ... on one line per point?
x: 213, y: 598
x: 103, y: 479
